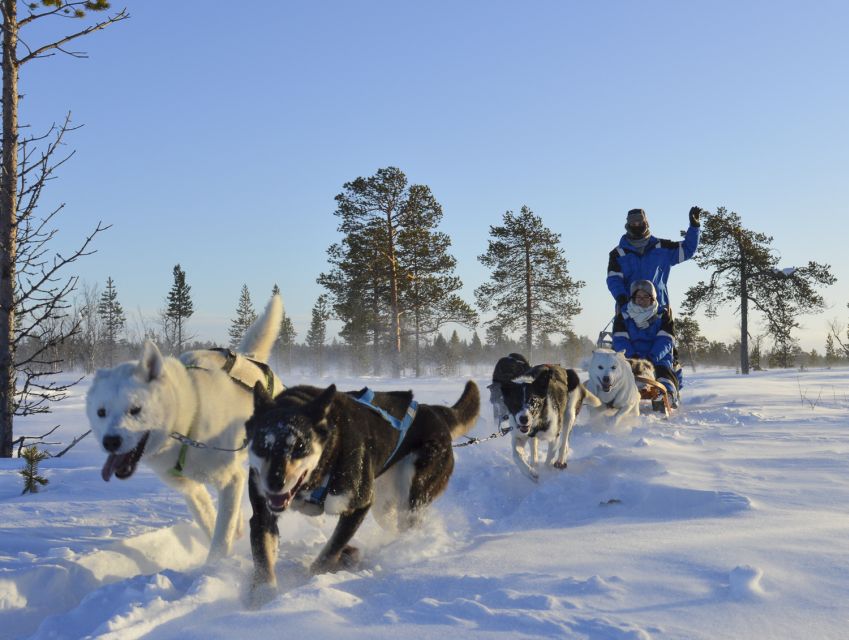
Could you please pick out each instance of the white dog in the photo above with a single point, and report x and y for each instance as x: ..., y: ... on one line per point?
x: 612, y: 381
x: 205, y: 395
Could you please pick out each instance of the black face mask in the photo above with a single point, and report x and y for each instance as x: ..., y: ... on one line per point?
x: 636, y: 231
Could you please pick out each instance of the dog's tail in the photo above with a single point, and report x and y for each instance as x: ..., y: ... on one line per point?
x: 466, y: 410
x: 260, y: 336
x: 590, y: 398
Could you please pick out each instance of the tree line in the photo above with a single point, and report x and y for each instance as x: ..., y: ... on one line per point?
x: 391, y: 278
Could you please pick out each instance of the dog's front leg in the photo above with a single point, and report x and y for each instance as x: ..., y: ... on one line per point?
x: 519, y: 457
x: 337, y: 553
x: 563, y: 448
x: 229, y: 514
x: 197, y: 499
x: 264, y: 543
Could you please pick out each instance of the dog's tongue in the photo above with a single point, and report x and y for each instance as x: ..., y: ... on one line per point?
x: 113, y: 462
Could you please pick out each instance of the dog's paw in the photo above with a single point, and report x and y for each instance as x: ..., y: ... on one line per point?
x: 348, y: 558
x: 560, y: 465
x: 261, y: 594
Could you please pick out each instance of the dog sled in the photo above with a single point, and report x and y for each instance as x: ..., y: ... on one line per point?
x: 651, y: 391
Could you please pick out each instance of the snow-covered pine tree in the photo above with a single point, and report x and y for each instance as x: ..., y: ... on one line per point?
x: 179, y: 307
x: 32, y: 480
x: 112, y: 315
x: 530, y: 287
x: 245, y: 316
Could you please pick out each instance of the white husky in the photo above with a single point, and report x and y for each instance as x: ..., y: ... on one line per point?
x: 612, y: 381
x: 205, y: 395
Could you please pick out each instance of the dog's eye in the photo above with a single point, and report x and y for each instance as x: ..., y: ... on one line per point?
x: 101, y: 413
x: 613, y: 368
x: 135, y: 411
x: 299, y: 450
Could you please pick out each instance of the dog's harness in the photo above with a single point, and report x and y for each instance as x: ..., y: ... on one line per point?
x: 318, y: 495
x: 227, y: 367
x: 402, y: 426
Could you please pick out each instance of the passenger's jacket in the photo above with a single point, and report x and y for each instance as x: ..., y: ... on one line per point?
x: 654, y: 343
x: 627, y: 264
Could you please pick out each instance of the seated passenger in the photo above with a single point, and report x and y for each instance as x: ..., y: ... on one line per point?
x: 643, y: 329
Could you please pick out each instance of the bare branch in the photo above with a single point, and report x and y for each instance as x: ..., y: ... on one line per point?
x: 42, y: 51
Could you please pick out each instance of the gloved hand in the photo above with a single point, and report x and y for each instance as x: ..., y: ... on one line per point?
x: 695, y: 213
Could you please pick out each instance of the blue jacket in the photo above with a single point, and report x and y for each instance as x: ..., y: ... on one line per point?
x: 626, y: 264
x: 654, y: 343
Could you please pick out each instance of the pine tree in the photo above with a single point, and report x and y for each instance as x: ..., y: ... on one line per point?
x: 744, y: 270
x: 286, y: 338
x: 831, y: 355
x: 429, y: 285
x: 112, y: 315
x: 687, y: 335
x: 317, y: 333
x: 245, y: 316
x: 370, y: 211
x: 358, y: 291
x: 530, y: 287
x: 32, y: 480
x: 179, y: 306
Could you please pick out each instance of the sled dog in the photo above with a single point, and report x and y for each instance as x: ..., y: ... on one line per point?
x: 507, y: 368
x: 205, y: 395
x: 642, y: 368
x: 611, y: 379
x: 542, y: 404
x: 323, y: 451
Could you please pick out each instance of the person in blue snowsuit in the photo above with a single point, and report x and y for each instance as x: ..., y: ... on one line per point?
x: 641, y: 256
x: 644, y: 329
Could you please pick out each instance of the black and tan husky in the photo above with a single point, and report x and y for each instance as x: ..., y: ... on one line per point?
x: 323, y: 451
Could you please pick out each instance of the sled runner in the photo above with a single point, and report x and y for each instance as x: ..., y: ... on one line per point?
x: 656, y: 392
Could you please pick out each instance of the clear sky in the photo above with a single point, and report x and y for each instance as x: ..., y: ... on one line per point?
x: 217, y: 134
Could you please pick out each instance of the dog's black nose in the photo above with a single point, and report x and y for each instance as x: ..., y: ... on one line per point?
x: 606, y: 379
x: 523, y: 419
x: 111, y: 443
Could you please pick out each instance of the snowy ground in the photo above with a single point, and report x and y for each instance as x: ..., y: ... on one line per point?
x: 730, y: 521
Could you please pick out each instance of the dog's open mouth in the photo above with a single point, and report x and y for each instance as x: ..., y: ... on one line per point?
x: 278, y: 502
x: 606, y: 387
x: 524, y: 428
x: 123, y: 465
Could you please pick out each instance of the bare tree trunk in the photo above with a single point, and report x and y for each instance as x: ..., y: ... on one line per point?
x: 744, y: 318
x: 418, y: 340
x: 396, y: 312
x: 529, y: 342
x: 8, y: 225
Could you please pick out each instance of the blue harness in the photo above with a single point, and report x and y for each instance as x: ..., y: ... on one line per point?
x: 318, y: 495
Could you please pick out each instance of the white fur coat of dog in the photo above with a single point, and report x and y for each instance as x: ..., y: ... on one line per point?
x: 611, y: 380
x: 134, y: 407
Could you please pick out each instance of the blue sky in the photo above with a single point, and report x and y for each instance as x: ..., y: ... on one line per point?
x: 217, y: 138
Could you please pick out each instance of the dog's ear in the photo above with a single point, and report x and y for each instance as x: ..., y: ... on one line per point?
x: 542, y: 379
x: 262, y: 399
x: 320, y: 407
x: 151, y: 363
